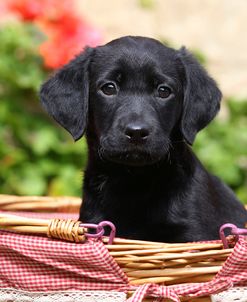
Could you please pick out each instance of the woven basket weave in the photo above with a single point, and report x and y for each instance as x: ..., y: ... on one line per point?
x: 143, y: 262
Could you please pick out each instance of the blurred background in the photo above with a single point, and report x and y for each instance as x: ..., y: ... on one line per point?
x: 38, y: 36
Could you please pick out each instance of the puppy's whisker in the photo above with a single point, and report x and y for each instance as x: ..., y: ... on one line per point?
x: 100, y: 151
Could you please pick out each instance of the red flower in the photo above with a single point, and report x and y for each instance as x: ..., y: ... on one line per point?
x: 61, y: 48
x: 27, y: 9
x: 67, y: 36
x: 67, y: 33
x: 31, y: 10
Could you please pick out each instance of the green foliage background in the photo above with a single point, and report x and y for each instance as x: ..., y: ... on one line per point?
x: 38, y: 157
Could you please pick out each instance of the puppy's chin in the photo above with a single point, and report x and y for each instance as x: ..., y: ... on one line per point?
x: 135, y: 159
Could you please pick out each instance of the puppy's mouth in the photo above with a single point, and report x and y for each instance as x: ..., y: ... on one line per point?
x: 138, y: 155
x: 131, y: 158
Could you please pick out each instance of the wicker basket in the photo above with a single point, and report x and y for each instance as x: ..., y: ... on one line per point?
x: 143, y: 262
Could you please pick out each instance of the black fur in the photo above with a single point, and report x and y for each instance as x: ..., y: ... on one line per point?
x: 141, y: 172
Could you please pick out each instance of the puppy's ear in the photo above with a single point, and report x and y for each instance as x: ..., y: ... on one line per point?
x: 65, y: 94
x: 201, y: 97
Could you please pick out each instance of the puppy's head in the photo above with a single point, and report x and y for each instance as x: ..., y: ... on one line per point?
x: 134, y: 96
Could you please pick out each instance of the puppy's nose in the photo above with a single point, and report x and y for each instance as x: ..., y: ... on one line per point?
x: 136, y: 133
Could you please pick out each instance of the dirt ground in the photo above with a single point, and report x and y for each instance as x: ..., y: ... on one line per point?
x: 216, y: 27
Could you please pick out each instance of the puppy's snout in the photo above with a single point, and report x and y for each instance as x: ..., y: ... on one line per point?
x: 137, y: 133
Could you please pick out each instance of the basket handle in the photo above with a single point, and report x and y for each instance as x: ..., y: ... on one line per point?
x: 100, y: 230
x: 66, y: 229
x: 234, y: 231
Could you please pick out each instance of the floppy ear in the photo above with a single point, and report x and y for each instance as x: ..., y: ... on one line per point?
x: 65, y: 94
x: 201, y: 97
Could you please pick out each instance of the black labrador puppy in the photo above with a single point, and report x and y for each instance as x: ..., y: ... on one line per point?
x: 141, y: 105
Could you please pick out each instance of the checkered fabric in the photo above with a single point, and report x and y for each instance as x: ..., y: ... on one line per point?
x: 35, y: 263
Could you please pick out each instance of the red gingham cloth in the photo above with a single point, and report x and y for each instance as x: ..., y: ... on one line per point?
x: 34, y: 263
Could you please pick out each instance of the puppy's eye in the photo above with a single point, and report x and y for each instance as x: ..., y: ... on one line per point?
x: 164, y: 92
x: 109, y: 89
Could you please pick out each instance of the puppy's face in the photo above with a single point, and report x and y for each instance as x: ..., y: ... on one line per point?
x: 135, y: 100
x: 135, y: 97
